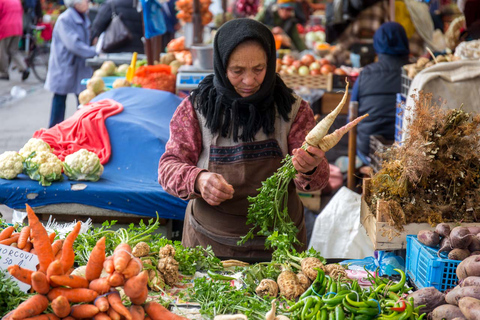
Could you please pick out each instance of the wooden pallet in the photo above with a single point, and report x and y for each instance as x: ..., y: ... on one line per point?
x: 312, y: 82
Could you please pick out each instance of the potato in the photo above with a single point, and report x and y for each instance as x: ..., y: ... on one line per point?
x: 428, y: 238
x: 458, y: 293
x: 430, y: 297
x: 458, y: 254
x: 470, y: 308
x: 469, y: 267
x: 447, y: 312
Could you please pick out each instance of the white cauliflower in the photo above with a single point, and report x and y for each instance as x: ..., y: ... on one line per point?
x: 83, y: 165
x: 11, y: 165
x: 33, y: 145
x: 44, y: 166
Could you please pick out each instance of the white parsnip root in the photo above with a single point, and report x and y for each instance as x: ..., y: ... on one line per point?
x: 331, y: 140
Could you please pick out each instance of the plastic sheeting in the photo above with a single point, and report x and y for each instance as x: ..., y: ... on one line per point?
x: 129, y: 183
x: 338, y: 233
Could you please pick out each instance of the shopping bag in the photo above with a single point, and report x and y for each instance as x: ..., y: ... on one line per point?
x: 117, y: 34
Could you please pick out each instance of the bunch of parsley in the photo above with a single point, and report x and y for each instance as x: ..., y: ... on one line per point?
x: 10, y: 294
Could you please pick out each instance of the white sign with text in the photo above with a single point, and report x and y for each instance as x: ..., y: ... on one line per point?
x: 10, y: 256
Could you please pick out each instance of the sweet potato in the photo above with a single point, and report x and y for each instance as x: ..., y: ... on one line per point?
x: 469, y: 267
x: 470, y: 281
x: 470, y: 307
x: 443, y: 230
x: 458, y: 292
x: 460, y: 237
x: 447, y: 312
x: 458, y: 254
x: 430, y: 297
x: 428, y: 238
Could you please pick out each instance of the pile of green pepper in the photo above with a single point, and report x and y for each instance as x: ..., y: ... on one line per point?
x: 330, y: 299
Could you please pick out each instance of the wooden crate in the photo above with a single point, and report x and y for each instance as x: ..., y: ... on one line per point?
x: 383, y: 235
x: 309, y: 81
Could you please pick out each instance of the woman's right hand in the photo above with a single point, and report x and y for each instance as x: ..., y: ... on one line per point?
x: 213, y: 187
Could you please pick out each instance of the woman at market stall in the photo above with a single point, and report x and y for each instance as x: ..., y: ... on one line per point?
x: 377, y: 86
x: 230, y: 135
x: 69, y: 50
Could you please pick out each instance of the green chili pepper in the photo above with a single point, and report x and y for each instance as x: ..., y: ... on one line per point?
x: 333, y: 301
x: 339, y: 314
x: 331, y: 315
x: 422, y: 316
x: 296, y: 306
x: 358, y: 304
x: 398, y: 286
x: 333, y: 287
x: 408, y: 310
x: 318, y: 304
x: 307, y: 293
x: 323, y: 314
x: 217, y: 276
x: 308, y: 303
x: 366, y: 311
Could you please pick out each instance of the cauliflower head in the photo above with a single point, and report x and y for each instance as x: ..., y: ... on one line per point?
x: 34, y: 145
x: 44, y: 167
x: 83, y: 165
x: 11, y: 165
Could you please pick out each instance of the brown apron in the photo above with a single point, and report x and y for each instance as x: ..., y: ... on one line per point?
x: 244, y: 166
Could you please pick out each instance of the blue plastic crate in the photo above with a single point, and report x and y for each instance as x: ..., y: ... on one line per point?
x: 425, y: 269
x: 400, y: 105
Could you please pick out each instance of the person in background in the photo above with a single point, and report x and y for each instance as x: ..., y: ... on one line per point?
x: 69, y: 50
x: 280, y: 17
x: 127, y: 10
x: 171, y: 21
x: 11, y: 30
x: 231, y: 134
x: 471, y: 10
x: 377, y: 85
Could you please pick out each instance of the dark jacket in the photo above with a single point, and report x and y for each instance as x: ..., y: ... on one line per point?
x: 130, y: 17
x: 378, y: 85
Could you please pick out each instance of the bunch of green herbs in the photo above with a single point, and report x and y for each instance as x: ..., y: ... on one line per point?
x: 10, y: 294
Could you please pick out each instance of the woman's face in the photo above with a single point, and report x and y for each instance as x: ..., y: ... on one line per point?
x: 82, y: 6
x: 246, y: 68
x: 285, y: 12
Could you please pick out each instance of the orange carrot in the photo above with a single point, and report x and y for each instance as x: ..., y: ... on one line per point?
x: 69, y: 318
x: 134, y: 287
x: 32, y: 307
x: 121, y: 256
x: 96, y: 260
x: 108, y: 265
x: 116, y: 279
x: 148, y: 318
x: 8, y: 316
x: 9, y: 241
x: 114, y: 315
x: 71, y: 281
x: 46, y: 316
x: 28, y: 246
x: 81, y: 311
x: 133, y: 268
x: 24, y: 235
x: 68, y: 255
x: 77, y: 295
x: 138, y: 313
x: 101, y: 285
x: 116, y: 303
x: 6, y: 233
x: 22, y: 274
x: 102, y: 303
x: 32, y: 251
x: 52, y: 236
x: 56, y: 246
x: 101, y: 316
x: 54, y: 269
x: 40, y: 283
x: 158, y: 312
x: 40, y: 239
x: 141, y: 298
x: 61, y: 306
x: 58, y: 256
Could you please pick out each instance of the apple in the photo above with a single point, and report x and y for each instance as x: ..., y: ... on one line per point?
x: 315, y: 66
x: 303, y: 71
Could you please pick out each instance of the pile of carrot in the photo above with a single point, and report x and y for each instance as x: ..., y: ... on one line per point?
x: 185, y: 10
x: 21, y: 240
x: 83, y: 297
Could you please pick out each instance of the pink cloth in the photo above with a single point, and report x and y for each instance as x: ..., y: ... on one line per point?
x: 84, y: 130
x: 11, y: 18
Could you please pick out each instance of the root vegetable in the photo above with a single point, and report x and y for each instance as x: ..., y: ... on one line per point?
x: 443, y: 230
x: 167, y: 251
x: 309, y: 265
x: 45, y: 316
x: 460, y: 237
x: 446, y: 311
x: 73, y: 295
x: 121, y: 256
x: 430, y: 297
x: 282, y: 317
x: 305, y: 282
x: 116, y: 303
x: 6, y: 233
x: 22, y: 274
x: 470, y: 308
x: 141, y: 298
x: 116, y: 279
x: 83, y: 311
x: 114, y: 315
x: 101, y: 285
x: 458, y: 254
x: 267, y: 287
x: 445, y: 245
x: 102, y: 304
x: 141, y: 249
x: 95, y: 261
x: 133, y: 268
x: 135, y: 286
x: 270, y: 315
x: 61, y: 306
x: 71, y: 281
x: 335, y: 270
x: 428, y: 238
x: 331, y: 140
x: 475, y: 244
x: 22, y: 239
x: 458, y: 293
x: 138, y: 313
x: 238, y: 316
x: 55, y: 269
x: 42, y: 244
x: 101, y: 316
x: 474, y: 229
x: 68, y: 255
x: 156, y: 280
x: 469, y: 267
x: 169, y: 268
x: 158, y: 312
x: 289, y: 285
x: 56, y: 246
x: 470, y: 281
x: 40, y: 283
x: 108, y: 265
x: 32, y: 307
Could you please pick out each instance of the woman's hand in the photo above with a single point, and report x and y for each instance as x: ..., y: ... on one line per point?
x: 214, y: 188
x: 306, y: 161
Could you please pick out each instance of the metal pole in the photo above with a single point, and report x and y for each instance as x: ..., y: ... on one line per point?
x: 352, y: 145
x: 197, y: 23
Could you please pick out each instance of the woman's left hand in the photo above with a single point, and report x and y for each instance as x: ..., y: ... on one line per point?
x: 306, y: 161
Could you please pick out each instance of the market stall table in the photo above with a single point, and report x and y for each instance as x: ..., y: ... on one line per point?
x: 117, y: 58
x: 128, y: 187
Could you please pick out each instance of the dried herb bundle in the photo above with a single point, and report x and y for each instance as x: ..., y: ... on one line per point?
x: 434, y: 176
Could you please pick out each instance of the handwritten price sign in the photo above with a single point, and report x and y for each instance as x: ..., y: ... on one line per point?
x: 10, y: 256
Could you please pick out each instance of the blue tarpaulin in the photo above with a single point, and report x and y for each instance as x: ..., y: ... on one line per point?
x: 129, y: 183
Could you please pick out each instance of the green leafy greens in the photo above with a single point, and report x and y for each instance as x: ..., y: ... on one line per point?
x: 10, y: 294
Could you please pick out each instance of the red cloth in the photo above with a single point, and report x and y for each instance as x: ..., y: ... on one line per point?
x: 11, y: 18
x: 84, y: 130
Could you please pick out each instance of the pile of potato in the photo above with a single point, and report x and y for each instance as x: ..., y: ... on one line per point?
x: 422, y: 63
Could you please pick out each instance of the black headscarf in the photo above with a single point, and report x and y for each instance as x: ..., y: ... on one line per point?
x: 224, y: 109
